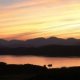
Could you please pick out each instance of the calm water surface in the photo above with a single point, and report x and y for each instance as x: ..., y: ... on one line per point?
x: 57, y: 62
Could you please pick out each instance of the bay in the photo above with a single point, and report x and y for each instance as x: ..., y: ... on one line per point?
x: 38, y: 60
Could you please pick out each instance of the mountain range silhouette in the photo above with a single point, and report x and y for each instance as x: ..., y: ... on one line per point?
x: 37, y: 42
x: 53, y: 47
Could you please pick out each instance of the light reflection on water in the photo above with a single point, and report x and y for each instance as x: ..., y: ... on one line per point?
x: 55, y: 61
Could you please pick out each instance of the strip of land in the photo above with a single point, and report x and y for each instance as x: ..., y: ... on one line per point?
x: 36, y: 72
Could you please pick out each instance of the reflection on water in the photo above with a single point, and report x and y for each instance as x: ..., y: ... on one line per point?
x: 57, y: 62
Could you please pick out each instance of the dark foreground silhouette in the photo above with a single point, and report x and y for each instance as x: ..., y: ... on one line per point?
x: 34, y: 72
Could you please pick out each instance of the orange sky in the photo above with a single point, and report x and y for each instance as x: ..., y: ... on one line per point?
x: 26, y: 19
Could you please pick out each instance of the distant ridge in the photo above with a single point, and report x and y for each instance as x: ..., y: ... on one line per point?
x: 37, y: 42
x: 53, y: 47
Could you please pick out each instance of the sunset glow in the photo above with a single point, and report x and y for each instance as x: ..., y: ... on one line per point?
x: 26, y: 19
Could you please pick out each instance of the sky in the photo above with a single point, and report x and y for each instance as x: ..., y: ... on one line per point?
x: 27, y: 19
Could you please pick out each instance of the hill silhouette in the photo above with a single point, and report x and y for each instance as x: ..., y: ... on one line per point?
x: 52, y: 46
x: 37, y: 42
x: 36, y: 72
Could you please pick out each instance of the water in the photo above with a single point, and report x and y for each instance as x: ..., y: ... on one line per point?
x: 55, y: 61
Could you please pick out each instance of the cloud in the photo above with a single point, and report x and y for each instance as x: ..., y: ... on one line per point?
x: 21, y: 35
x: 8, y: 2
x: 50, y: 17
